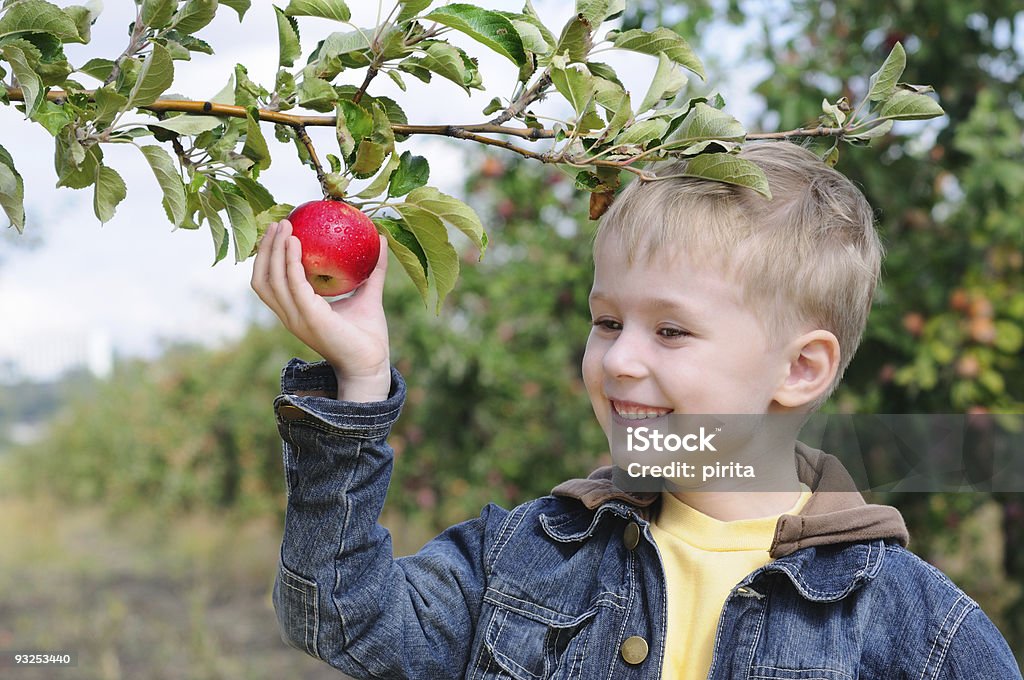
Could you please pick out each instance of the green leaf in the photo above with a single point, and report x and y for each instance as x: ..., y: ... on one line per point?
x: 31, y: 86
x: 255, y: 144
x: 445, y: 60
x: 728, y: 168
x: 287, y: 38
x: 154, y: 79
x: 493, y: 106
x: 880, y: 130
x: 486, y: 27
x: 450, y: 210
x: 242, y: 218
x: 380, y: 182
x: 246, y: 91
x: 259, y: 198
x: 705, y: 122
x: 326, y: 9
x: 217, y: 230
x: 667, y: 82
x: 369, y: 158
x: 531, y: 36
x: 188, y: 125
x: 642, y: 132
x: 240, y: 6
x: 37, y: 16
x: 75, y: 164
x: 108, y: 103
x: 412, y: 173
x: 576, y: 39
x: 883, y: 81
x: 158, y: 13
x: 407, y: 251
x: 907, y: 105
x: 170, y: 182
x: 52, y: 117
x: 109, y: 191
x: 661, y: 41
x: 12, y: 191
x: 597, y: 11
x: 410, y: 8
x: 84, y: 18
x: 195, y: 15
x: 442, y: 259
x: 97, y: 68
x: 317, y: 94
x: 576, y: 84
x: 622, y: 113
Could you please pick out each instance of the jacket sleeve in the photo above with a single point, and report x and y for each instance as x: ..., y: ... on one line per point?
x: 977, y: 651
x: 340, y: 595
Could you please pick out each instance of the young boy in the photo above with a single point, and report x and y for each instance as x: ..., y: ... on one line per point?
x: 707, y: 299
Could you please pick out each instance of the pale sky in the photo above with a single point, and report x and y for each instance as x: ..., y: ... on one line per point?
x: 133, y: 282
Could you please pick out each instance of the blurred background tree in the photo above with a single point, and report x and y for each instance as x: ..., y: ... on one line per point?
x: 497, y: 410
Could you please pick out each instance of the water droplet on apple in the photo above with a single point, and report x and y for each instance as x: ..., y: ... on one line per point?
x: 338, y: 230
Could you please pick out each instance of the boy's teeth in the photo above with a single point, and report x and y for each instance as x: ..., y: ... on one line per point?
x: 640, y: 413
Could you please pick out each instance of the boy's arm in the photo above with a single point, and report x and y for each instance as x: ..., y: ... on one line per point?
x: 978, y: 651
x: 339, y: 595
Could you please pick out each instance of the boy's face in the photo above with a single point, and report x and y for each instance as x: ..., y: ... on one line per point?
x: 672, y: 336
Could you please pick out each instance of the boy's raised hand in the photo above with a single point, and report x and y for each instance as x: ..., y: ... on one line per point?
x: 351, y: 333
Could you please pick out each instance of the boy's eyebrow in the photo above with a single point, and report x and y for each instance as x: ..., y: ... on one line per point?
x: 659, y: 302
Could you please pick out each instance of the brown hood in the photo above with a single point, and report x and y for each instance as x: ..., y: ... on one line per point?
x: 835, y: 513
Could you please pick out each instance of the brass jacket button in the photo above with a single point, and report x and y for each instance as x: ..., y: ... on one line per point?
x: 634, y: 650
x: 631, y: 536
x: 290, y: 412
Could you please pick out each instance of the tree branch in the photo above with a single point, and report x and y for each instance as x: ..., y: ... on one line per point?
x: 475, y: 132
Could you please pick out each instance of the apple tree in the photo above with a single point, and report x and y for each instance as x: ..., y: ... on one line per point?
x: 567, y: 108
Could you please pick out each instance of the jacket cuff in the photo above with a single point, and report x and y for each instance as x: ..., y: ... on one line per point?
x: 307, y: 397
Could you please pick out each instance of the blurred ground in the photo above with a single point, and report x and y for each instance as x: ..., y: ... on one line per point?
x: 142, y: 598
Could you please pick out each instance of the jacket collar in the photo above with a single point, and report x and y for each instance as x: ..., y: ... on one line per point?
x: 833, y: 546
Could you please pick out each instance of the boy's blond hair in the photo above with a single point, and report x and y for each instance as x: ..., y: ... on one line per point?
x: 810, y: 255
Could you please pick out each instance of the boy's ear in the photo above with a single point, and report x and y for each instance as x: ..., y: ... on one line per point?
x: 813, y: 363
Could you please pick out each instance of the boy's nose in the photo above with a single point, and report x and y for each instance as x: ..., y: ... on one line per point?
x: 625, y: 357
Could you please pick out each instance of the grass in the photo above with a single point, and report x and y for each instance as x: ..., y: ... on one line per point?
x: 145, y: 597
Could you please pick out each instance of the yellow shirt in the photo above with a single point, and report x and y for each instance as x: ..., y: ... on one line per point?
x: 704, y: 559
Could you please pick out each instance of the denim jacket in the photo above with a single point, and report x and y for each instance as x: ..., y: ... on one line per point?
x: 571, y: 585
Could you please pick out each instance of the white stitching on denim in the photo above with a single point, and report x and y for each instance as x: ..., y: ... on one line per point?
x: 631, y: 589
x: 506, y: 528
x: 346, y: 507
x: 757, y: 629
x: 504, y: 657
x: 305, y: 614
x: 942, y: 633
x: 288, y: 575
x: 954, y: 629
x: 832, y: 673
x: 535, y: 617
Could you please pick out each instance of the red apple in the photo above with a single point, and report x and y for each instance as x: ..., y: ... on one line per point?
x: 340, y: 245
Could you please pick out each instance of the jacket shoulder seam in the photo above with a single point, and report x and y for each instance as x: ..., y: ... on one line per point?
x: 947, y: 637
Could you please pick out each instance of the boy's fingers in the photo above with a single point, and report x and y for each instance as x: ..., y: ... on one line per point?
x: 261, y: 264
x: 375, y: 283
x: 300, y: 290
x: 279, y: 276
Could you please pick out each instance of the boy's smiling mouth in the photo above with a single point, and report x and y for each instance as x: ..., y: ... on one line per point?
x: 629, y: 410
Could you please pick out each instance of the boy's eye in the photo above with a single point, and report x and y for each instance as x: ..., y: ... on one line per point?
x: 607, y: 324
x: 671, y: 332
